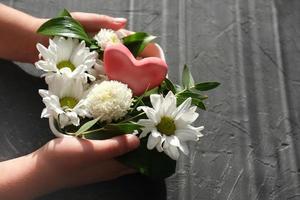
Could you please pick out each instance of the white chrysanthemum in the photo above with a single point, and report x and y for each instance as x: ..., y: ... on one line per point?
x: 109, y: 100
x: 66, y: 54
x: 64, y: 100
x: 105, y: 37
x: 170, y: 126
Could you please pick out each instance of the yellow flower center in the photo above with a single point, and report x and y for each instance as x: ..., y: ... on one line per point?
x: 114, y: 39
x: 69, y: 102
x: 66, y: 63
x: 107, y: 96
x: 166, y: 126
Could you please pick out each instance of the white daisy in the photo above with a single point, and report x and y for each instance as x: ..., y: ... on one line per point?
x: 64, y: 100
x: 105, y: 37
x: 66, y: 54
x: 109, y: 100
x: 170, y: 126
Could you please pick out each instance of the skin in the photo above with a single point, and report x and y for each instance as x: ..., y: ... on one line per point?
x: 62, y: 162
x: 18, y: 31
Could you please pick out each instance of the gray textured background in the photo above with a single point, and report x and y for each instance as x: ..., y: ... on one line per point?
x: 250, y: 147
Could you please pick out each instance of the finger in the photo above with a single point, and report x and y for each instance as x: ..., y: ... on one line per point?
x: 128, y: 171
x: 125, y: 32
x: 94, y: 22
x: 101, y: 171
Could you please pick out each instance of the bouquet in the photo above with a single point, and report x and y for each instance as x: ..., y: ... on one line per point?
x: 114, y: 83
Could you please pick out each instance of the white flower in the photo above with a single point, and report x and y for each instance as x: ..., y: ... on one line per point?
x: 170, y: 126
x: 64, y: 100
x: 66, y: 55
x: 105, y: 37
x: 109, y: 100
x: 98, y: 71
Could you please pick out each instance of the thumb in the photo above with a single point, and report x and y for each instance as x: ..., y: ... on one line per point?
x: 116, y: 146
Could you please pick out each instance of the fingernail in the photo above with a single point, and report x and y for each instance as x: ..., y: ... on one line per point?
x: 134, y: 141
x: 120, y: 20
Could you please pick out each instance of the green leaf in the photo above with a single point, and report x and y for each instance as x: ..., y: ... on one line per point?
x: 188, y: 93
x: 206, y: 86
x: 127, y: 127
x: 187, y: 78
x: 137, y: 42
x: 162, y: 88
x: 195, y: 101
x: 64, y: 26
x: 198, y: 103
x: 64, y: 13
x: 156, y: 165
x: 170, y: 86
x: 87, y: 126
x: 94, y: 45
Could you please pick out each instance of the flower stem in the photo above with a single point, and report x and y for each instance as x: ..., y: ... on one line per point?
x: 129, y: 119
x: 103, y: 128
x: 88, y: 132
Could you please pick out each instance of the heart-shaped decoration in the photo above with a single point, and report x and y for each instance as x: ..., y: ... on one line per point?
x: 139, y: 75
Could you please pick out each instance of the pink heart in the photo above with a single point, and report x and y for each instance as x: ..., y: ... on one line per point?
x: 139, y: 75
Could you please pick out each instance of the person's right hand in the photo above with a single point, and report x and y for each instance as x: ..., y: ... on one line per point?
x: 78, y: 161
x: 63, y: 163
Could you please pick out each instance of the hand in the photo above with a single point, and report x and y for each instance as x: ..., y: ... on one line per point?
x: 91, y: 22
x: 62, y: 163
x: 77, y: 161
x: 18, y: 37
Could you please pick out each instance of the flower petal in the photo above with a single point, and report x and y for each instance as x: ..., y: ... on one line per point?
x: 43, y: 51
x: 45, y: 113
x: 182, y: 108
x: 74, y: 119
x: 159, y: 146
x: 184, y: 148
x: 173, y: 140
x: 144, y: 132
x: 169, y: 104
x: 63, y: 120
x: 46, y: 66
x: 172, y: 152
x: 150, y: 112
x: 156, y: 101
x: 146, y: 123
x: 187, y: 134
x: 153, y: 140
x: 190, y: 116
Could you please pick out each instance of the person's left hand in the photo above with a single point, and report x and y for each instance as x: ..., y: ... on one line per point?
x: 91, y: 22
x: 18, y: 36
